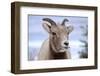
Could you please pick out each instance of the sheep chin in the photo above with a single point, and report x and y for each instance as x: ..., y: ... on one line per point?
x: 62, y: 50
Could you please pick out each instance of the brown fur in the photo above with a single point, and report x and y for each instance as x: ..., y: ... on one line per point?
x: 54, y: 48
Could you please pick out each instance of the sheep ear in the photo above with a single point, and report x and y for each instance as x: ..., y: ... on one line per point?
x: 47, y: 26
x: 70, y: 29
x: 47, y: 23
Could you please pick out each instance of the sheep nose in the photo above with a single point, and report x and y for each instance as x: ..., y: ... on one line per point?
x: 66, y: 43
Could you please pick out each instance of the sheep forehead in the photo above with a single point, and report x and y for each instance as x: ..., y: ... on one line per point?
x: 61, y: 29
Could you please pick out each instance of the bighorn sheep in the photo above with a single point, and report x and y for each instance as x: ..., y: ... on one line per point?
x: 57, y: 45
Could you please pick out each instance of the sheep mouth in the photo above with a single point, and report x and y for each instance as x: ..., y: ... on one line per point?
x: 63, y: 49
x: 67, y: 47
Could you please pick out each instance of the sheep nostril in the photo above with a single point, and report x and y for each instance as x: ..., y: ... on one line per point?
x: 66, y: 44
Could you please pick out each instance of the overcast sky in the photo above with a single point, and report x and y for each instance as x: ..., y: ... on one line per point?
x: 37, y: 34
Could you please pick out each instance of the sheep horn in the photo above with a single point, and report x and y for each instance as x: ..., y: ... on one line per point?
x: 65, y: 20
x: 50, y: 21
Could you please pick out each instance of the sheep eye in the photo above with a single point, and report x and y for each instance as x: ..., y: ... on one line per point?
x: 53, y: 33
